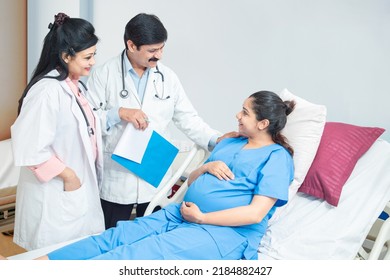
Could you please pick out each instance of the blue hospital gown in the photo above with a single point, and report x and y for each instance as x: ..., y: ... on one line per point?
x: 266, y: 171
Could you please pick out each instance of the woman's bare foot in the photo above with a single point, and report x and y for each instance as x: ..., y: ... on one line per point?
x: 2, y: 258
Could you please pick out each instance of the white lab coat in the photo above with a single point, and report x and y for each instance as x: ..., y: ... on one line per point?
x: 119, y: 184
x: 51, y: 123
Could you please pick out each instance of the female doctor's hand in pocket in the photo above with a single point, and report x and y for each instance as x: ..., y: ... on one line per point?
x: 71, y: 181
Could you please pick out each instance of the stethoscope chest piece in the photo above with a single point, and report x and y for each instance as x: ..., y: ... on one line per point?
x: 124, y: 93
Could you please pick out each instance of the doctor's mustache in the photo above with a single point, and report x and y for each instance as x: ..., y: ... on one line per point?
x: 154, y: 59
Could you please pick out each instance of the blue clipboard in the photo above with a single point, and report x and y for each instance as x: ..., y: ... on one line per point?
x: 158, y: 157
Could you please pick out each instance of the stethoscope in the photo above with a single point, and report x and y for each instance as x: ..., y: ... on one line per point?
x: 89, y: 127
x: 124, y: 93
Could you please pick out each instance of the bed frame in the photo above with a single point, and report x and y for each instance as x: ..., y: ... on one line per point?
x: 9, y: 175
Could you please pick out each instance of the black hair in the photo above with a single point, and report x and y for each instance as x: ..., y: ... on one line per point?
x: 268, y: 105
x: 67, y: 35
x: 145, y: 29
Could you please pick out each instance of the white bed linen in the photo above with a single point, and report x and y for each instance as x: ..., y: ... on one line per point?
x: 310, y: 228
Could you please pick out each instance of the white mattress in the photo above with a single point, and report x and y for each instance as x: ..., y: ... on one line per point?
x: 310, y: 228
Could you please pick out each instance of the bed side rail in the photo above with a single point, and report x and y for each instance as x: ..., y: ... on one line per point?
x: 195, y: 157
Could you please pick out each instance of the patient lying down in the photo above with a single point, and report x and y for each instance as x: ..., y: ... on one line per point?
x: 227, y: 207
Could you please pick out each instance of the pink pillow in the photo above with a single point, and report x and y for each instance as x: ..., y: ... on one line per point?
x: 340, y: 148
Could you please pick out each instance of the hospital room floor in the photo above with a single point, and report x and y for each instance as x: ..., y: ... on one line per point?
x: 8, y: 247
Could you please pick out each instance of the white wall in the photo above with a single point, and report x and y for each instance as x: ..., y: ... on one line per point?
x: 331, y: 52
x: 39, y: 14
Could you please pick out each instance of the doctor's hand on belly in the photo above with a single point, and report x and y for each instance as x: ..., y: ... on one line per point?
x: 135, y: 116
x: 71, y: 180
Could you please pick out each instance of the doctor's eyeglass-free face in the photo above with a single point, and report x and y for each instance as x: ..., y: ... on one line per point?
x: 80, y: 64
x: 145, y: 56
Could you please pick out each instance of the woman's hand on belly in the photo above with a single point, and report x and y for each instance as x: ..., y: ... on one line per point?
x: 220, y: 170
x: 191, y: 212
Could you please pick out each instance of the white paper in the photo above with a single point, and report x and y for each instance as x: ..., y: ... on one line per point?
x: 133, y: 143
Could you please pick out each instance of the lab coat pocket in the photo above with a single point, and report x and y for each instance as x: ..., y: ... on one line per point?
x: 74, y: 204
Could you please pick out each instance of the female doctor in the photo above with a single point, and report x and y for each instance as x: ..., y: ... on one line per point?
x: 56, y: 139
x: 134, y: 87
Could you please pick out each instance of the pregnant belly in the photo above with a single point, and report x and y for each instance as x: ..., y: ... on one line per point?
x: 217, y: 195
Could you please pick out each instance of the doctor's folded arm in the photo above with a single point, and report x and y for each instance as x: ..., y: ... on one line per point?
x: 135, y: 87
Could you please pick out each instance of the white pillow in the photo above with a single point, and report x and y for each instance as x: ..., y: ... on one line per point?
x: 303, y: 131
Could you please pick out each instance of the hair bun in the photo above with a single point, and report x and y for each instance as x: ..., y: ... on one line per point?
x: 289, y: 106
x: 59, y: 19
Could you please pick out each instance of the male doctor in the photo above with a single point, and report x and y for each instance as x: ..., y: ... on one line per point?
x: 134, y: 87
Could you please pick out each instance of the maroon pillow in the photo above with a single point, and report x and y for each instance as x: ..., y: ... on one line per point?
x: 340, y: 148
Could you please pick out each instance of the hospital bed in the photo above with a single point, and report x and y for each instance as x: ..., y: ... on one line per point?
x: 308, y: 227
x: 9, y: 175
